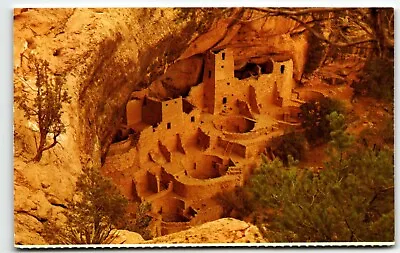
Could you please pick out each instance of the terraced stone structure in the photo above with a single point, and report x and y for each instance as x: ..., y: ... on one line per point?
x: 184, y: 151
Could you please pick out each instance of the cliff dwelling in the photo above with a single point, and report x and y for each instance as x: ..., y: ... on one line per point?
x: 202, y: 125
x: 184, y: 151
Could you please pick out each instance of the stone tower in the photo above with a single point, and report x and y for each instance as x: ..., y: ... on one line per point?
x: 283, y: 71
x: 217, y: 78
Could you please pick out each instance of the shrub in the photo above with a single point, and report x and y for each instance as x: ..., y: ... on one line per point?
x: 314, y: 118
x: 290, y: 144
x: 140, y: 223
x: 92, y: 218
x: 235, y: 203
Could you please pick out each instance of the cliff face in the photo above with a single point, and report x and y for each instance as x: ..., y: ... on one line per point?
x: 106, y: 54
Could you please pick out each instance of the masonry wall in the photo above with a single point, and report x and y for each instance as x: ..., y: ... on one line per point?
x: 203, y: 140
x: 209, y: 82
x: 141, y: 183
x: 133, y: 112
x: 147, y: 141
x: 218, y: 76
x: 284, y: 74
x: 151, y: 111
x: 224, y: 64
x: 169, y: 207
x: 234, y: 124
x: 166, y: 179
x: 244, y: 108
x: 164, y: 151
x: 172, y: 113
x: 256, y: 148
x: 260, y: 92
x: 253, y: 100
x: 208, y: 188
x: 206, y: 166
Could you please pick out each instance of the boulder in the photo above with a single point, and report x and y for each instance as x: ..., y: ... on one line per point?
x: 127, y: 237
x: 226, y: 230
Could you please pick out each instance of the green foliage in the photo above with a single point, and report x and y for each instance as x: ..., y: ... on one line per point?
x: 340, y: 140
x: 378, y: 136
x: 47, y: 105
x: 91, y: 219
x: 290, y: 144
x: 377, y: 79
x: 235, y: 203
x: 142, y: 221
x: 353, y: 202
x: 314, y: 118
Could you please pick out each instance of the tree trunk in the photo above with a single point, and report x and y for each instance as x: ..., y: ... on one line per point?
x: 39, y: 151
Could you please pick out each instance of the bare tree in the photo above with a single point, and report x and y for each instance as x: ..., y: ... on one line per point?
x: 371, y: 28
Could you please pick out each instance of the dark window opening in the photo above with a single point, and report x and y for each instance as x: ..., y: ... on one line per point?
x: 282, y: 69
x: 168, y: 125
x: 224, y: 100
x: 166, y: 104
x: 222, y: 66
x: 223, y: 56
x: 267, y: 67
x: 187, y: 106
x: 228, y: 83
x: 192, y: 119
x: 249, y: 70
x: 209, y: 74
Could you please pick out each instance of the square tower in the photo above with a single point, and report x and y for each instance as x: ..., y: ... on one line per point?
x: 283, y: 71
x: 218, y: 71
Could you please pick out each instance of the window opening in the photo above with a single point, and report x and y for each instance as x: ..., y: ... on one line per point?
x: 168, y: 125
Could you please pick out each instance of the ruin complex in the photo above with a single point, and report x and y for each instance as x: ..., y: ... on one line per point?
x: 184, y: 151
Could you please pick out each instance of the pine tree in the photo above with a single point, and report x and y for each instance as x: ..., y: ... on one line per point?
x: 47, y: 105
x: 350, y: 200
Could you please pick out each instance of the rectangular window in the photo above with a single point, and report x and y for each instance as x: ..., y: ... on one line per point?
x: 168, y: 125
x: 223, y: 56
x: 282, y: 69
x: 224, y: 100
x: 222, y: 66
x: 192, y: 119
